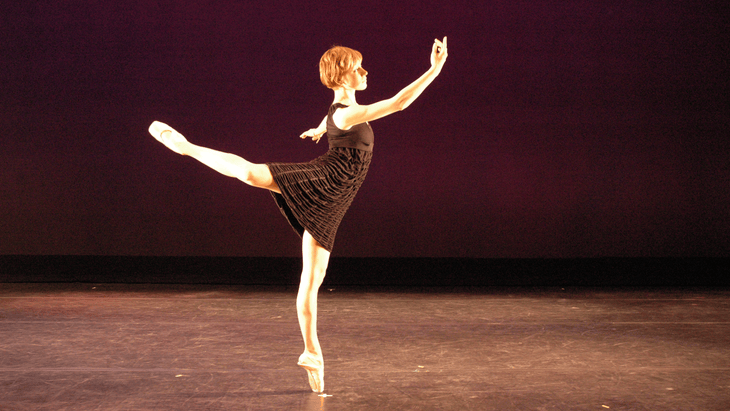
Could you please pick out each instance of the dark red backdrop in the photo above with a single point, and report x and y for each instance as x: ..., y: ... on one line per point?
x: 557, y: 128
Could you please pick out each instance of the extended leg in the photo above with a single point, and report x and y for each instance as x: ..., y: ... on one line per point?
x: 315, y: 260
x: 231, y: 165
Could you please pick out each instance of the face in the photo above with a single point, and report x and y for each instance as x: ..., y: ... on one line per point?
x: 357, y: 78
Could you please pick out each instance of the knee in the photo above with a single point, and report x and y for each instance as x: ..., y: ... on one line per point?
x: 247, y: 176
x: 312, y: 278
x: 257, y: 175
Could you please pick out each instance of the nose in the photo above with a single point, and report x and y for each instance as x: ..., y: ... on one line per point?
x: 363, y: 72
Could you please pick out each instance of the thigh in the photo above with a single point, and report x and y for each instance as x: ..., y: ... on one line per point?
x: 315, y: 259
x: 261, y: 177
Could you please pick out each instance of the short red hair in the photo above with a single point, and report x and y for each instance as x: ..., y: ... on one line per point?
x: 335, y: 63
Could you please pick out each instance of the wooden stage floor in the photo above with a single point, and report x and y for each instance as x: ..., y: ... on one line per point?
x: 168, y: 347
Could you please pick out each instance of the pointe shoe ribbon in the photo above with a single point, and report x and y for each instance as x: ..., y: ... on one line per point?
x: 315, y: 372
x: 157, y: 128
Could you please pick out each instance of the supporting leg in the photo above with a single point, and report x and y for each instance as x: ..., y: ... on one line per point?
x: 315, y: 260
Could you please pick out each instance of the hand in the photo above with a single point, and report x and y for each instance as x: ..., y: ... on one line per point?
x: 312, y: 132
x: 439, y: 52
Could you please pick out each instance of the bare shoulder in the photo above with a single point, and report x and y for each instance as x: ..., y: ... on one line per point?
x: 341, y: 115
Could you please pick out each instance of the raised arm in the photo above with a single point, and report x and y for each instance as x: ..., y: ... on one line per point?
x: 356, y: 114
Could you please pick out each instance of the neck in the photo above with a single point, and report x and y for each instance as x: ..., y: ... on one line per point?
x: 345, y: 96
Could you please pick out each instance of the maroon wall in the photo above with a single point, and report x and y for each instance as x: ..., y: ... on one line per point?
x: 556, y: 129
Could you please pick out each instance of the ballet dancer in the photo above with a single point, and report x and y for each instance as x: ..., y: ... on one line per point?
x: 314, y: 196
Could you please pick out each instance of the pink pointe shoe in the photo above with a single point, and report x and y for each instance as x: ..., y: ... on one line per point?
x: 315, y: 371
x: 170, y: 139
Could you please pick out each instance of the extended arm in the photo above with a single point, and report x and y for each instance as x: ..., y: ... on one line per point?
x: 316, y: 133
x: 359, y: 114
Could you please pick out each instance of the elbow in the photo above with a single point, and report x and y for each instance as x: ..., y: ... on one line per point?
x: 401, y: 104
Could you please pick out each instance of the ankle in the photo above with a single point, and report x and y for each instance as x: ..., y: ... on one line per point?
x: 312, y: 355
x: 182, y: 147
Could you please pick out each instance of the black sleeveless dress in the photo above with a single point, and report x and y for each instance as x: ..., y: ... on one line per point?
x: 315, y: 195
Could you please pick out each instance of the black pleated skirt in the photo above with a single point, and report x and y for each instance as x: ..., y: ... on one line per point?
x: 315, y: 195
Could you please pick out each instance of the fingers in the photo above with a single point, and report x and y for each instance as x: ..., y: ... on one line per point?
x: 439, y: 46
x: 311, y: 133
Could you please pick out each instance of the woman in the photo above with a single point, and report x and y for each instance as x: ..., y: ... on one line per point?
x: 314, y: 196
